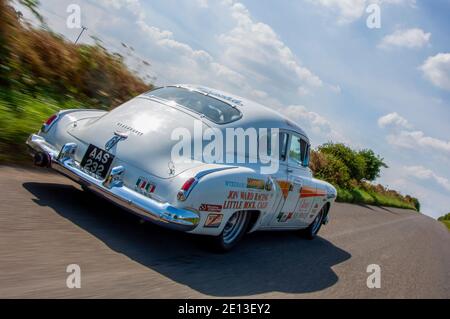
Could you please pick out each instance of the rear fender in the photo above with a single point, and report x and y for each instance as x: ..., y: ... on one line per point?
x: 227, y: 191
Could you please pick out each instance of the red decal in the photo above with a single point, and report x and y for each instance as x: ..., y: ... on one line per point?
x: 210, y: 208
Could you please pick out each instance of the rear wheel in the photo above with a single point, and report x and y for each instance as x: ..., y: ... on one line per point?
x: 313, y: 229
x: 233, y: 231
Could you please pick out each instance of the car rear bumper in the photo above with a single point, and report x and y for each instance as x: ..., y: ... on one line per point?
x: 113, y: 189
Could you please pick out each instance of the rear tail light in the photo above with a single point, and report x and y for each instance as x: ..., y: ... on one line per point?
x: 186, y: 189
x: 51, y: 119
x: 187, y: 185
x: 49, y: 122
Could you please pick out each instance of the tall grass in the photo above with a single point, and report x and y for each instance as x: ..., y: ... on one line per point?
x: 41, y: 73
x: 20, y: 115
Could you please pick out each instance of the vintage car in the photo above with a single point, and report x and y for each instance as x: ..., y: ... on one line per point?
x: 125, y: 156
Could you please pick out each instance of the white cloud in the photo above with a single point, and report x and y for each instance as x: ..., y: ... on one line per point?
x: 314, y: 122
x: 423, y: 173
x: 351, y: 10
x: 417, y: 181
x: 405, y: 136
x: 437, y: 70
x: 202, y: 3
x: 257, y: 51
x: 393, y: 119
x: 409, y: 38
x: 418, y: 140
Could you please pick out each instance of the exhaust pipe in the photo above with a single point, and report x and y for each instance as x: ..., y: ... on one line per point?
x: 42, y: 159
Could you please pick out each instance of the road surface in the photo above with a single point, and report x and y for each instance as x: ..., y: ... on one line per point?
x: 48, y: 222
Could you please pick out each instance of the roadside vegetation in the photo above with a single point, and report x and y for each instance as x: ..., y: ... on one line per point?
x: 445, y: 220
x: 353, y: 173
x: 41, y: 73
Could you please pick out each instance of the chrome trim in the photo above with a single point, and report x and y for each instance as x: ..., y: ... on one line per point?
x: 160, y: 213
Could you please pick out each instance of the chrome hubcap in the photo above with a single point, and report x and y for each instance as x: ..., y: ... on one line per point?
x: 233, y: 227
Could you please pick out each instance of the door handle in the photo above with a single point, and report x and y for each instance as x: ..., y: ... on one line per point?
x: 290, y: 170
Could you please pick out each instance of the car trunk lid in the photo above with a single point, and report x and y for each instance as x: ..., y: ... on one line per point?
x: 146, y: 126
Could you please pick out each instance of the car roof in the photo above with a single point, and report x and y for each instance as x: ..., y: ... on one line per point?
x: 253, y: 114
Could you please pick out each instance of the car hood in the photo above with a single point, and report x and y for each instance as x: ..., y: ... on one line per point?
x: 148, y: 126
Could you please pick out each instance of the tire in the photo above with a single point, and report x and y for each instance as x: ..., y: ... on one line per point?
x: 313, y: 229
x: 234, y: 230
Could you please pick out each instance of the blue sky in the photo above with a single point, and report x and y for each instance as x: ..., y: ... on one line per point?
x: 387, y: 89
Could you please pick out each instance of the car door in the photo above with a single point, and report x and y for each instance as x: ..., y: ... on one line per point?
x: 281, y: 180
x: 307, y: 193
x: 295, y: 179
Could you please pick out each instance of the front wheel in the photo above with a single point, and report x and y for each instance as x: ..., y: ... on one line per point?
x: 313, y: 229
x: 233, y: 231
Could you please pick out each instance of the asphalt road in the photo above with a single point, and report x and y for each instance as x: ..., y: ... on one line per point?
x: 47, y: 223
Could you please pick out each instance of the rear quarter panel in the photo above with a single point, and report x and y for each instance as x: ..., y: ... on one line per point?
x: 228, y: 191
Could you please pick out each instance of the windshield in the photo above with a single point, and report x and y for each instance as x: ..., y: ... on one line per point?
x: 213, y: 109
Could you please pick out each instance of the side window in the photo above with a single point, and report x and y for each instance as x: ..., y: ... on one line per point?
x: 298, y: 151
x: 295, y: 151
x: 305, y: 152
x: 283, y: 145
x: 283, y: 141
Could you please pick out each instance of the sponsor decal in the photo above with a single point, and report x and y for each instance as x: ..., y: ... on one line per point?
x: 143, y: 186
x: 221, y: 96
x: 246, y: 200
x: 255, y: 183
x: 269, y: 184
x: 284, y: 217
x: 307, y: 191
x: 286, y: 187
x: 280, y: 215
x: 213, y: 220
x: 210, y: 208
x: 235, y: 184
x: 129, y: 128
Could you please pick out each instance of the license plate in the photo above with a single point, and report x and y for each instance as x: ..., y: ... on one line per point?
x: 97, y: 161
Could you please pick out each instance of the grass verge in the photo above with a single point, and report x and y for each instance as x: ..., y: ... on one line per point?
x: 360, y: 196
x: 20, y: 115
x: 446, y: 223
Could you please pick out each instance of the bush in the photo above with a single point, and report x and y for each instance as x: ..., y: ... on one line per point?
x: 373, y: 164
x: 349, y: 171
x: 355, y: 164
x: 37, y: 61
x: 330, y: 168
x: 40, y: 73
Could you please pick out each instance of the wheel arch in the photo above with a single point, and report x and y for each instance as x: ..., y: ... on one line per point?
x: 255, y: 216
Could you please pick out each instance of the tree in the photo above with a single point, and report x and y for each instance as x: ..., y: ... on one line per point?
x: 355, y: 163
x: 373, y: 164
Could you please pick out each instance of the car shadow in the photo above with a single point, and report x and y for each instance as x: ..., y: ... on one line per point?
x: 263, y: 262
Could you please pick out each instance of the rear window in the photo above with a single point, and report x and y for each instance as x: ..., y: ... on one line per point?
x: 213, y: 109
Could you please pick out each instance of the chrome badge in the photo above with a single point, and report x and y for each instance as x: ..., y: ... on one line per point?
x: 118, y: 136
